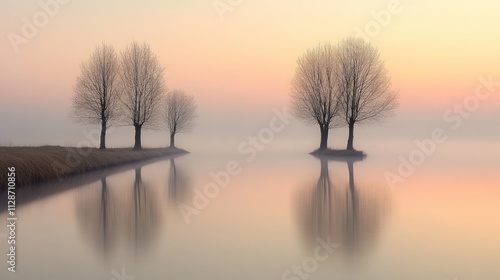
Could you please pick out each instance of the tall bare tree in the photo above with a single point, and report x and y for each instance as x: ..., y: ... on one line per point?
x: 143, y: 87
x: 96, y: 98
x: 314, y: 94
x: 180, y: 113
x: 364, y: 85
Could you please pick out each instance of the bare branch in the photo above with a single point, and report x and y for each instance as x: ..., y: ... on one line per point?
x: 142, y: 85
x: 314, y: 92
x: 96, y: 99
x: 180, y: 111
x: 96, y: 94
x: 365, y: 93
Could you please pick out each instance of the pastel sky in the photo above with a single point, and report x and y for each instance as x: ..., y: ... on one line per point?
x: 239, y: 62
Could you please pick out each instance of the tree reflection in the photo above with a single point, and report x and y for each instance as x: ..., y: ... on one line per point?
x: 96, y: 212
x: 177, y: 184
x: 146, y: 213
x: 116, y: 218
x: 348, y: 215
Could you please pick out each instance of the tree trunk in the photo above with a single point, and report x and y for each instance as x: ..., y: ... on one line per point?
x: 323, y: 145
x: 324, y: 168
x: 354, y: 196
x: 103, y: 136
x: 172, y: 140
x: 324, y: 185
x: 138, y: 176
x: 350, y: 140
x: 138, y: 144
x: 350, y: 167
x: 104, y: 211
x: 174, y: 190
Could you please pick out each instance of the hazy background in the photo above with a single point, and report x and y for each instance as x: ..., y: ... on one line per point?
x: 240, y: 68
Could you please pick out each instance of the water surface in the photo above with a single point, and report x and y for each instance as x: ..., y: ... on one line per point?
x: 443, y: 222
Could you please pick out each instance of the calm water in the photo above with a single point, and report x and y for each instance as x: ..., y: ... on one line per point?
x: 443, y: 222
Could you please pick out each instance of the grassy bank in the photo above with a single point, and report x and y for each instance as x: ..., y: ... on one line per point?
x: 49, y: 163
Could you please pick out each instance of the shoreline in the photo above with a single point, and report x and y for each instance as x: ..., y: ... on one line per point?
x: 30, y: 193
x: 45, y: 164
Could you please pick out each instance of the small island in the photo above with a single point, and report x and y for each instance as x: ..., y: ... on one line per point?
x: 341, y: 86
x: 334, y: 153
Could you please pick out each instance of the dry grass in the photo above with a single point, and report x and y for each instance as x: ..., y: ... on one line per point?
x: 48, y: 163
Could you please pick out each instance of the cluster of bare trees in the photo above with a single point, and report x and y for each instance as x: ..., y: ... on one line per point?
x: 342, y: 85
x: 334, y: 86
x: 129, y: 90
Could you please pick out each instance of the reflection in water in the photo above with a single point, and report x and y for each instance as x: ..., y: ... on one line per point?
x: 146, y: 212
x: 349, y: 215
x: 177, y: 184
x: 120, y: 217
x: 97, y: 214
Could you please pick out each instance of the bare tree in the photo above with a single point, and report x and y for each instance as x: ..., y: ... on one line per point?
x: 96, y: 98
x: 180, y: 113
x: 314, y: 94
x: 364, y: 85
x: 143, y: 87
